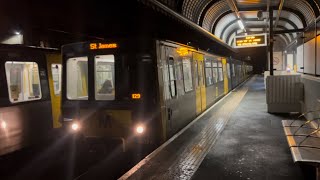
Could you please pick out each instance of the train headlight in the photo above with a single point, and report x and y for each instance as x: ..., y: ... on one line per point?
x: 3, y: 125
x: 140, y: 129
x: 75, y: 126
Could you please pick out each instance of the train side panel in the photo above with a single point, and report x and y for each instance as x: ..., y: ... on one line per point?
x: 182, y: 100
x: 25, y: 109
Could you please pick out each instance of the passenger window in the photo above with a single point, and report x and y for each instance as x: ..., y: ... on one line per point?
x: 172, y: 77
x: 196, y: 73
x: 77, y: 78
x: 220, y: 71
x: 56, y: 70
x: 215, y: 72
x: 187, y: 76
x: 178, y: 70
x: 200, y: 73
x: 233, y: 71
x: 23, y: 81
x: 104, y: 77
x: 208, y: 70
x: 228, y: 70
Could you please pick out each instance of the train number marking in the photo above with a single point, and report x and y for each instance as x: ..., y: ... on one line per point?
x: 136, y: 96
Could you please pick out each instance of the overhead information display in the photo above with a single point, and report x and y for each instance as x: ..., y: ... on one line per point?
x: 253, y: 40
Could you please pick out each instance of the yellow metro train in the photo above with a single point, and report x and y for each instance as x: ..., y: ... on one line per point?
x: 140, y: 91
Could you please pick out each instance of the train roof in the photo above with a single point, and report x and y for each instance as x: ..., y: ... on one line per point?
x: 21, y: 47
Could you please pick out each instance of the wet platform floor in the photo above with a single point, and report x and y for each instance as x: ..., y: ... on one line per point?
x: 235, y: 139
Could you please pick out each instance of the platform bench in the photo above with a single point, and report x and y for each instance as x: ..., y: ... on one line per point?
x: 303, y: 138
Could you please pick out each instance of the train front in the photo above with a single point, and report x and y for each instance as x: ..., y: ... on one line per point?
x: 109, y: 94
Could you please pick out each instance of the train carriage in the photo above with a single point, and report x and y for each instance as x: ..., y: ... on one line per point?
x: 25, y: 106
x: 138, y: 91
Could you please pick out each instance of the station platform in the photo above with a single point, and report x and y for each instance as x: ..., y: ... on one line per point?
x: 234, y: 139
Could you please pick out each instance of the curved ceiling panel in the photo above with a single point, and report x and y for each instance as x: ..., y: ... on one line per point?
x: 228, y: 31
x: 192, y: 9
x: 292, y: 17
x: 228, y: 25
x: 217, y: 17
x: 223, y: 23
x: 303, y: 7
x: 231, y: 39
x: 213, y: 13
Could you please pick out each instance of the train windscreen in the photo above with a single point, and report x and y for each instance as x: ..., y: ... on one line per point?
x: 77, y: 78
x: 104, y: 77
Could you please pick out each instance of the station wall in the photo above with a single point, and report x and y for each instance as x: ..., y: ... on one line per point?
x: 311, y: 95
x: 309, y: 53
x: 299, y: 58
x: 308, y: 57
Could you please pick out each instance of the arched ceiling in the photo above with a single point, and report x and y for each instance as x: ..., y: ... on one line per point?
x: 220, y: 17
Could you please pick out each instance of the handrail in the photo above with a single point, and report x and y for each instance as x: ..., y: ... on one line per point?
x: 307, y: 122
x: 303, y: 114
x: 316, y: 130
x: 309, y: 135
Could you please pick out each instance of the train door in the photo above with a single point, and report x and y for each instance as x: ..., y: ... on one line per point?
x: 225, y: 75
x: 55, y: 76
x: 198, y: 60
x: 168, y: 89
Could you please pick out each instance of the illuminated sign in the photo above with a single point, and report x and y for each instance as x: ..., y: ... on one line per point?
x: 183, y: 51
x: 254, y: 40
x: 94, y: 46
x: 136, y: 96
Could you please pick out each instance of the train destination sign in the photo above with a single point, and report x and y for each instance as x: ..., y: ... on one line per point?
x: 94, y: 46
x: 254, y: 40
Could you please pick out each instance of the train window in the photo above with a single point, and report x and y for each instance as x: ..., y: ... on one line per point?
x: 239, y: 70
x: 220, y: 71
x: 233, y: 71
x: 172, y: 77
x: 178, y: 70
x: 200, y: 73
x: 77, y: 78
x: 215, y: 72
x: 187, y: 76
x: 208, y: 69
x: 56, y: 70
x: 228, y: 70
x: 23, y: 81
x: 104, y: 77
x: 196, y: 73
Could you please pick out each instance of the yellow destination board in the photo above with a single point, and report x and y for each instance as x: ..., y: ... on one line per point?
x: 254, y: 40
x: 94, y: 46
